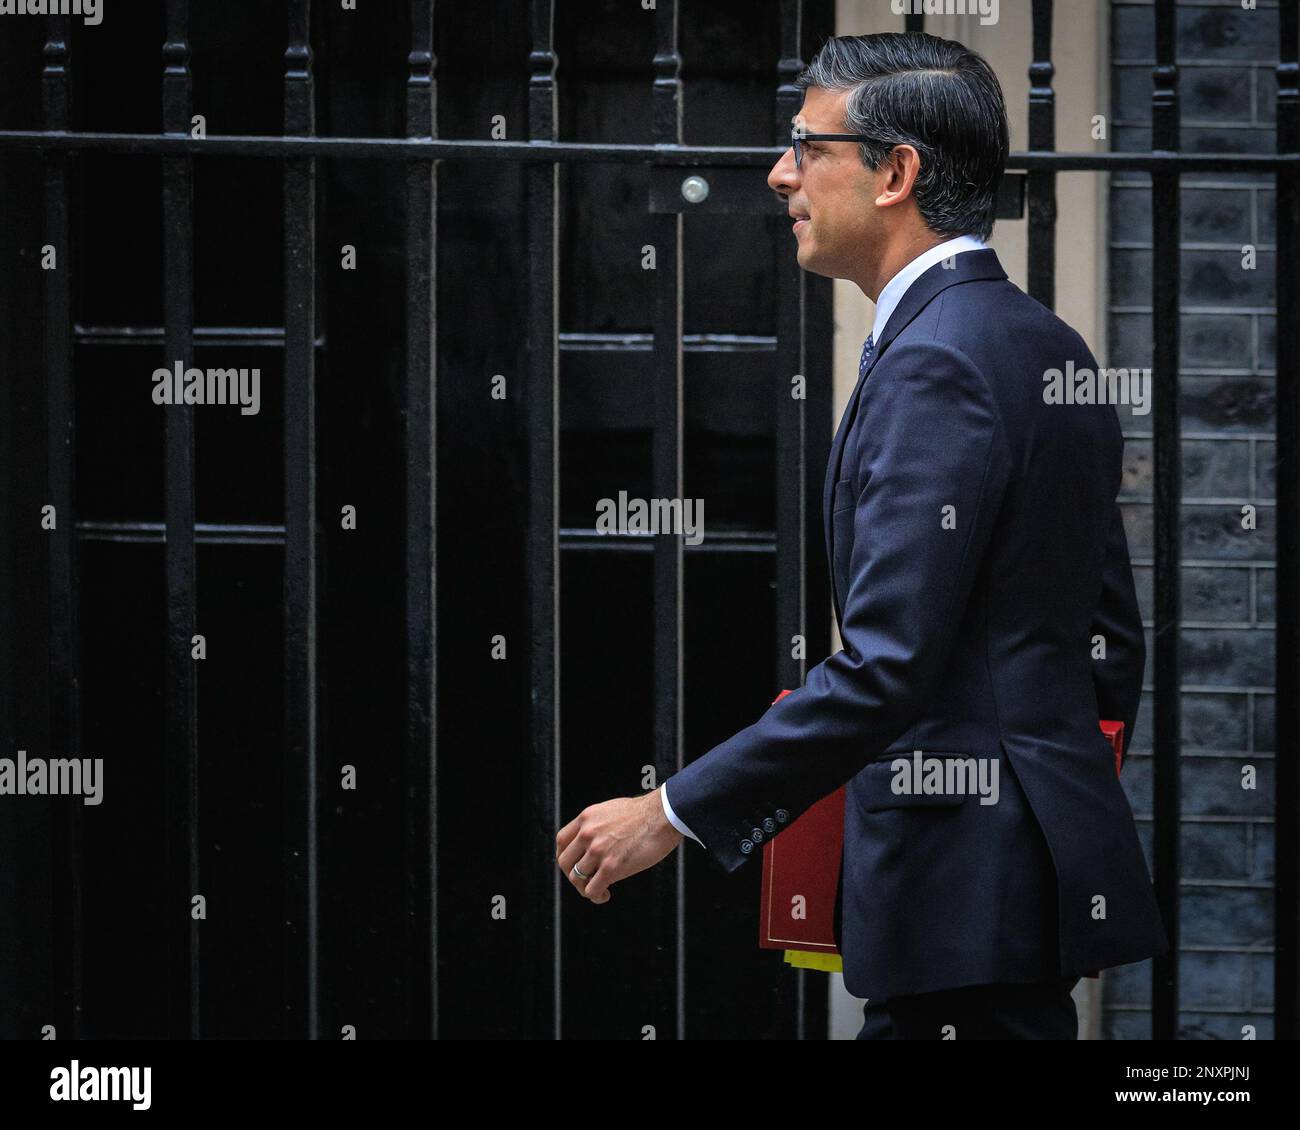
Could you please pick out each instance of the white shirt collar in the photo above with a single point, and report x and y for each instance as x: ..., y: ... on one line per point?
x: 894, y: 290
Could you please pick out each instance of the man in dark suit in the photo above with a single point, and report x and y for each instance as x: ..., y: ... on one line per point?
x: 982, y: 589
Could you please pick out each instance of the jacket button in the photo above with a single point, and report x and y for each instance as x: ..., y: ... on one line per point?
x: 782, y: 816
x: 769, y: 825
x: 746, y: 846
x: 756, y: 834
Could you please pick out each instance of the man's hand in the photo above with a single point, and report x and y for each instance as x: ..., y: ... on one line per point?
x: 612, y: 840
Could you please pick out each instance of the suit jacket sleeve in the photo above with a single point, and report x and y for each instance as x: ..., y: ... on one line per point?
x: 931, y: 467
x: 1117, y: 678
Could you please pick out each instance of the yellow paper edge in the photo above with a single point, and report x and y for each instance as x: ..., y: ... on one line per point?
x: 809, y: 959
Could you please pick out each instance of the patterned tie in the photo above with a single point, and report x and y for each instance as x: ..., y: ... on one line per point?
x: 868, y: 348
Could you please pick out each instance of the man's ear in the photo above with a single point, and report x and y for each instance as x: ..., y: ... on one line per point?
x: 901, y: 167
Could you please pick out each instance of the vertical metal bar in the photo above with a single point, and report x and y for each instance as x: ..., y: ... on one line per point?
x: 543, y: 199
x: 300, y: 766
x: 791, y: 437
x: 1166, y: 253
x: 65, y: 704
x: 1042, y: 184
x: 421, y: 527
x: 1286, y: 990
x: 182, y: 851
x: 669, y: 886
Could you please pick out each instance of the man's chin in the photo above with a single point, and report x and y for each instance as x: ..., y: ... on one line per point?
x: 810, y: 261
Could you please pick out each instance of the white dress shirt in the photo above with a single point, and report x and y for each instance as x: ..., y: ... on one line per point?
x: 886, y: 304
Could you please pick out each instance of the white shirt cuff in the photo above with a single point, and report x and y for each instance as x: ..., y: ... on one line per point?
x: 673, y: 818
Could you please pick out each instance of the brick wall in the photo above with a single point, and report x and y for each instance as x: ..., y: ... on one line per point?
x: 1226, y: 60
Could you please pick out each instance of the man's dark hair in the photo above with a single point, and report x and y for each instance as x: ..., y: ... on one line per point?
x: 935, y: 95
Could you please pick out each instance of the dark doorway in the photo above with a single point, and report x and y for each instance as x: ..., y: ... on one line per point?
x: 422, y: 901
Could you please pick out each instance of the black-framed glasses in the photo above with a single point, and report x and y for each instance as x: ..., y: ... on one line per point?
x: 797, y: 139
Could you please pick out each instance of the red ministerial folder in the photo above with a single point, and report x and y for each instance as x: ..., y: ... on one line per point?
x: 801, y: 873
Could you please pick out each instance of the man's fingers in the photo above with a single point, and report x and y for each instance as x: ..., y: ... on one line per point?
x: 592, y: 867
x: 571, y: 845
x: 595, y: 841
x: 565, y: 835
x: 574, y: 854
x: 598, y: 885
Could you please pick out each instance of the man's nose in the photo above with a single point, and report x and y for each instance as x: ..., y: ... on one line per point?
x: 784, y: 176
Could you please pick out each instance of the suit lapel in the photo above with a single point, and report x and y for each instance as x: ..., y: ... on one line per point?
x: 837, y: 454
x: 968, y: 266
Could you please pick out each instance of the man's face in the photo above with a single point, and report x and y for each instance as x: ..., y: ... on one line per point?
x: 833, y: 189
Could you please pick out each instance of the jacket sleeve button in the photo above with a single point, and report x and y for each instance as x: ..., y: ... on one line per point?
x: 746, y: 846
x: 781, y: 815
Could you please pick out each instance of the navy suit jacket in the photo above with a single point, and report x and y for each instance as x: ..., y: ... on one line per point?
x: 976, y: 549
